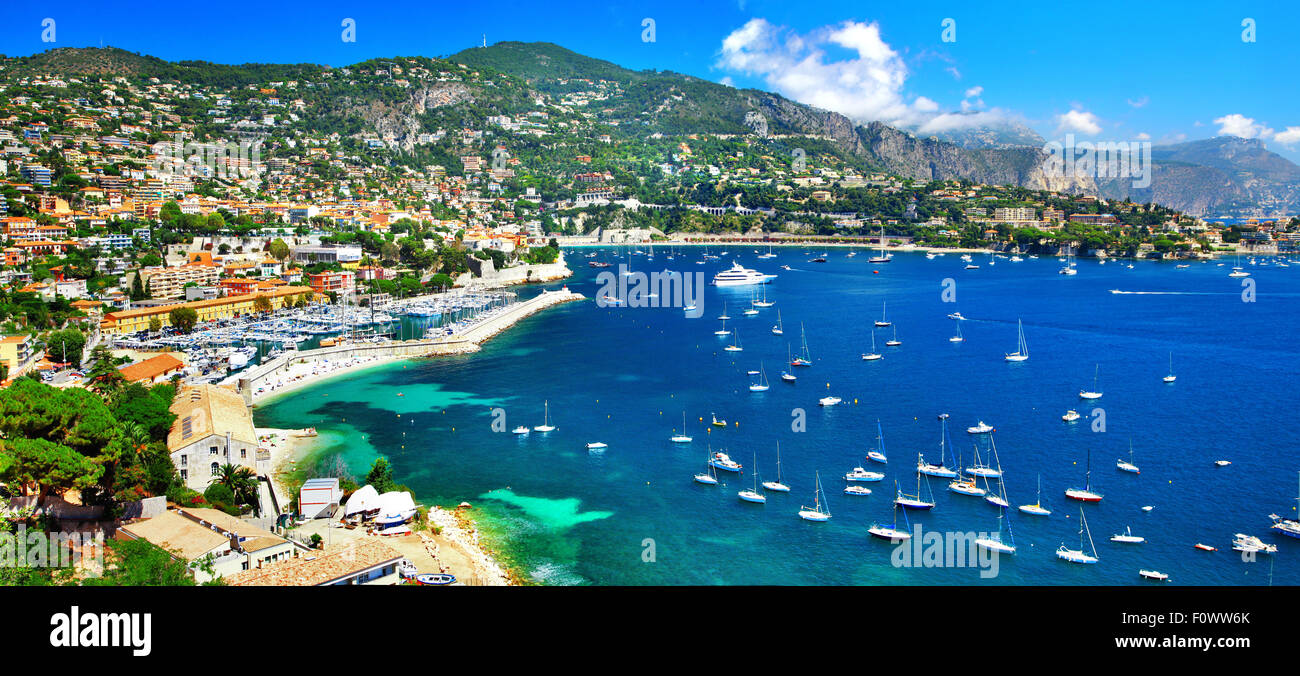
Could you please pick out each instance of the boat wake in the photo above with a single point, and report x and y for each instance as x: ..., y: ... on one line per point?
x: 1173, y: 293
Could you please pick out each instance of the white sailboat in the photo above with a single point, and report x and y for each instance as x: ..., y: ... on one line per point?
x: 882, y: 322
x: 995, y: 542
x: 957, y: 338
x: 680, y: 437
x: 1037, y: 509
x: 1022, y: 348
x: 819, y: 511
x: 764, y: 302
x: 881, y: 257
x: 777, y: 485
x: 1079, y: 555
x: 895, y: 342
x: 708, y: 476
x: 1085, y: 494
x: 1069, y: 268
x: 982, y: 470
x: 724, y: 316
x: 546, y: 425
x: 1128, y: 466
x: 915, y: 501
x: 804, y: 358
x: 778, y: 330
x: 722, y: 331
x: 1236, y: 269
x: 872, y: 355
x: 753, y: 495
x: 878, y: 455
x: 1128, y: 537
x: 1288, y: 527
x: 1171, y: 377
x: 1094, y: 393
x: 735, y: 344
x: 761, y: 385
x: 939, y: 470
x: 752, y: 309
x: 891, y: 532
x: 786, y: 375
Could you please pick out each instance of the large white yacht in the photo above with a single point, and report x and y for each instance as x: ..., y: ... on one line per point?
x: 738, y: 275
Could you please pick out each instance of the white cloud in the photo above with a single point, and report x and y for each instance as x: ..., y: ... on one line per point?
x: 1237, y: 124
x: 955, y: 121
x: 1138, y: 103
x: 1080, y: 121
x: 865, y: 87
x: 1143, y: 136
x: 1289, y: 136
x: 726, y: 80
x: 974, y: 92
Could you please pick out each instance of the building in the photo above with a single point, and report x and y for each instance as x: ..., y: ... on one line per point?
x: 327, y: 254
x: 199, y: 535
x: 131, y: 321
x: 364, y: 561
x: 338, y: 282
x: 152, y: 370
x: 37, y: 174
x: 213, y: 427
x: 14, y: 353
x: 1094, y: 219
x: 319, y: 498
x: 170, y: 282
x: 1015, y: 214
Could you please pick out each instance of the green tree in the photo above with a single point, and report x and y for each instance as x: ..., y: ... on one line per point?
x: 278, y: 249
x: 66, y: 346
x: 139, y: 563
x: 52, y: 468
x: 103, y: 376
x: 261, y: 303
x: 380, y: 475
x: 184, y: 318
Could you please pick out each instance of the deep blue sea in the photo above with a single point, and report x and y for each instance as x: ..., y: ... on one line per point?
x: 632, y: 514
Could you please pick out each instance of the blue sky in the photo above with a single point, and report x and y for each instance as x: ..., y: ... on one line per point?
x: 1166, y: 71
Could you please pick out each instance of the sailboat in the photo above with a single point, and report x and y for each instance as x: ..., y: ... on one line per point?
x: 965, y: 486
x: 1288, y: 527
x: 804, y: 359
x: 981, y: 470
x: 957, y: 338
x: 1171, y: 377
x: 819, y: 511
x: 1094, y: 393
x: 764, y: 302
x: 994, y: 542
x: 998, y: 497
x: 882, y: 322
x: 761, y: 385
x: 1079, y: 555
x: 778, y: 330
x: 882, y: 257
x: 872, y: 355
x: 895, y: 342
x: 735, y: 345
x: 1069, y: 268
x: 1037, y: 508
x: 914, y: 501
x: 722, y: 331
x: 680, y: 437
x: 891, y: 531
x: 878, y: 455
x: 1128, y: 466
x: 753, y: 308
x: 1128, y: 537
x: 776, y: 485
x: 769, y: 253
x: 1085, y: 494
x: 786, y: 375
x: 938, y: 470
x: 708, y: 476
x: 546, y: 425
x: 1236, y: 269
x: 1022, y: 348
x: 724, y: 316
x: 753, y: 495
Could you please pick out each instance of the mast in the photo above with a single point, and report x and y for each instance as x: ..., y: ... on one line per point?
x: 778, y: 463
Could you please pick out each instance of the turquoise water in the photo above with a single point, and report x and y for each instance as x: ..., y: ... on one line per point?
x: 633, y: 515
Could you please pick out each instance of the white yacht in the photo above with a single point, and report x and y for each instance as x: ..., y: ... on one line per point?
x: 739, y: 275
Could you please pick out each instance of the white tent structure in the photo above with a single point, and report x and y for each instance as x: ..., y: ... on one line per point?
x: 364, y: 499
x: 394, y: 508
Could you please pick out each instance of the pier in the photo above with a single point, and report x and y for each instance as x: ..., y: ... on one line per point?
x: 465, y: 341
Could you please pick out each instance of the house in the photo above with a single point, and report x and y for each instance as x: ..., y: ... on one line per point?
x: 14, y: 352
x: 213, y: 427
x: 319, y: 498
x: 365, y: 561
x: 152, y: 370
x: 212, y: 537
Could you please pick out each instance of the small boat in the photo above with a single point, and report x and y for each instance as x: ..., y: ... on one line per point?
x: 1252, y: 545
x: 894, y: 342
x: 939, y: 470
x: 914, y: 501
x: 763, y: 302
x: 776, y: 485
x: 735, y: 346
x: 520, y: 430
x: 819, y: 511
x: 1037, y: 509
x: 1022, y: 348
x: 778, y: 330
x: 1128, y: 466
x: 1153, y: 574
x: 1128, y: 537
x: 597, y: 445
x: 1147, y: 508
x: 1085, y: 494
x: 1071, y: 416
x: 879, y: 454
x: 804, y: 359
x: 724, y: 462
x: 717, y: 423
x: 761, y: 385
x: 981, y: 470
x: 1079, y: 555
x: 785, y: 267
x: 753, y: 495
x: 788, y: 377
x: 708, y: 476
x: 857, y: 490
x: 861, y: 474
x: 1094, y: 393
x: 966, y: 487
x: 1222, y: 463
x: 435, y: 579
x: 881, y: 256
x: 1171, y: 377
x: 1205, y: 547
x: 680, y: 437
x: 891, y: 532
x: 981, y: 428
x: 546, y: 425
x: 872, y: 355
x: 882, y: 322
x: 956, y: 315
x: 1287, y: 527
x: 828, y: 401
x: 722, y: 331
x: 972, y: 266
x: 724, y: 316
x: 957, y: 338
x: 993, y: 541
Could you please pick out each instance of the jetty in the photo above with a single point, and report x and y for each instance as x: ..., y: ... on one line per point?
x: 467, y: 339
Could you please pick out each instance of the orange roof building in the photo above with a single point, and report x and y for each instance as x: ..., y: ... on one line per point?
x: 152, y: 369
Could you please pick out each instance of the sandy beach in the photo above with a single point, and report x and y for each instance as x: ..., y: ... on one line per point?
x: 302, y: 374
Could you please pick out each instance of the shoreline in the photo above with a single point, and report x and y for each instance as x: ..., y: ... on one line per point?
x: 911, y: 248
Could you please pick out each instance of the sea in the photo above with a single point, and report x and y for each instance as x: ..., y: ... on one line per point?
x: 631, y: 513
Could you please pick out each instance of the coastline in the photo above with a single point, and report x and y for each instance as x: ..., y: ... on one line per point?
x: 916, y: 248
